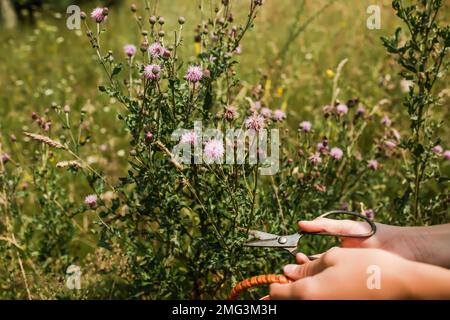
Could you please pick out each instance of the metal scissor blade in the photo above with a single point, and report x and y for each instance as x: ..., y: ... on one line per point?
x: 260, y: 235
x: 274, y: 241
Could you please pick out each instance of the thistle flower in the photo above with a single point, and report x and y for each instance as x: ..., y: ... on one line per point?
x: 189, y: 138
x: 315, y: 158
x: 255, y: 122
x: 390, y: 144
x: 91, y: 201
x: 336, y: 153
x: 255, y: 106
x: 98, y: 15
x: 230, y: 113
x: 156, y: 50
x: 4, y: 158
x: 369, y: 214
x: 306, y: 126
x: 44, y: 139
x: 447, y: 154
x: 438, y: 149
x: 266, y: 112
x: 148, y: 137
x: 214, y: 150
x: 130, y: 50
x: 372, y: 164
x: 327, y: 110
x: 386, y: 121
x: 322, y: 147
x: 279, y: 115
x: 194, y: 74
x: 341, y: 109
x: 152, y: 72
x: 360, y: 111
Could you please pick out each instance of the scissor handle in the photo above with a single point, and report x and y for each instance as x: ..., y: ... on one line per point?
x: 373, y: 227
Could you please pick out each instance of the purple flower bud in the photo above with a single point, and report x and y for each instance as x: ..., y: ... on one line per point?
x: 91, y: 201
x: 306, y: 126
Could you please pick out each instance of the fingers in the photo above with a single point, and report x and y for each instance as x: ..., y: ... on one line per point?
x: 301, y: 258
x: 333, y: 226
x: 295, y: 271
x: 301, y: 289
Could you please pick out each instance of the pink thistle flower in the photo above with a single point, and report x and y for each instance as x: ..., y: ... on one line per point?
x: 369, y: 214
x: 214, y: 150
x: 336, y: 153
x: 130, y: 50
x: 447, y: 154
x: 148, y: 137
x: 194, y: 74
x: 98, y: 15
x: 91, y: 201
x: 230, y: 113
x: 152, y: 71
x: 254, y: 106
x: 5, y: 158
x: 361, y: 111
x: 322, y: 147
x: 438, y: 149
x: 266, y: 112
x: 255, y: 122
x: 156, y: 50
x: 315, y: 158
x: 386, y: 121
x: 341, y: 109
x: 306, y: 126
x: 279, y: 115
x: 372, y: 164
x: 390, y: 144
x: 189, y: 138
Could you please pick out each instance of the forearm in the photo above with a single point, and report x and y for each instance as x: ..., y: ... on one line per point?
x: 428, y: 282
x: 422, y: 244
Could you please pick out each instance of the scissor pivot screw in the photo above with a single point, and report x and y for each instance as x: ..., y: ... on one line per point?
x: 282, y: 240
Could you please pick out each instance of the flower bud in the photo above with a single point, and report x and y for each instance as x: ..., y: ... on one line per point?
x: 133, y: 8
x: 161, y: 20
x: 181, y: 20
x: 152, y: 20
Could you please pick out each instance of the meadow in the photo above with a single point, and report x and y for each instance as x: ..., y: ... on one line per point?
x: 149, y: 234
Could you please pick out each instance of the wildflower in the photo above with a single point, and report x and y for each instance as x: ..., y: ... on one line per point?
x: 181, y: 20
x: 148, y: 137
x: 341, y: 109
x: 255, y: 122
x: 44, y: 139
x: 266, y: 112
x: 336, y: 153
x: 152, y: 72
x: 315, y: 158
x: 91, y: 201
x: 372, y: 164
x: 99, y: 14
x: 322, y: 147
x: 306, y: 126
x: 156, y: 50
x: 189, y: 138
x: 390, y: 144
x: 369, y: 214
x: 130, y: 50
x: 230, y: 113
x: 279, y: 115
x: 214, y: 149
x: 5, y: 158
x: 360, y: 111
x: 447, y: 154
x: 254, y: 106
x: 194, y: 74
x: 386, y: 121
x: 438, y: 149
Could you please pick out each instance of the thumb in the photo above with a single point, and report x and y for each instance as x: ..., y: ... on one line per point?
x: 334, y: 226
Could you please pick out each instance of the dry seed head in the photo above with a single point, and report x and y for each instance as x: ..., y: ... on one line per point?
x: 44, y: 139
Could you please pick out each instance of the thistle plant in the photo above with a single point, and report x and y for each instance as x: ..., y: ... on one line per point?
x: 423, y: 55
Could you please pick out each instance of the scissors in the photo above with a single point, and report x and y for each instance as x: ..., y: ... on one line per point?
x: 290, y: 242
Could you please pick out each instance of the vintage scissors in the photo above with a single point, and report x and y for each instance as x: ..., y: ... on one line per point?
x: 290, y: 242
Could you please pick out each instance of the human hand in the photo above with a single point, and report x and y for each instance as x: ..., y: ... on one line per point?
x: 345, y: 274
x: 398, y: 240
